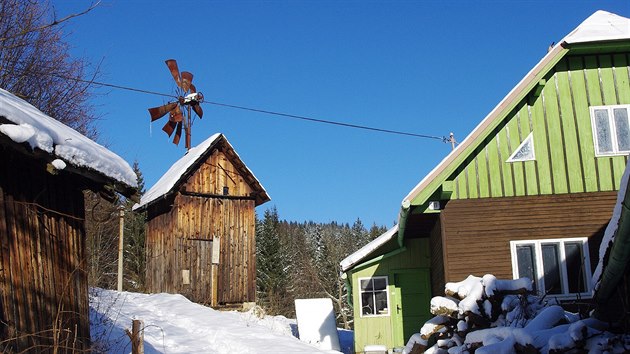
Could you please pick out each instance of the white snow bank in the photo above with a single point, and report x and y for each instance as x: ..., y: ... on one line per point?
x: 47, y: 134
x: 173, y: 324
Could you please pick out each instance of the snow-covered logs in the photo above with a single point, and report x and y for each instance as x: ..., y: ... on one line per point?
x: 488, y: 315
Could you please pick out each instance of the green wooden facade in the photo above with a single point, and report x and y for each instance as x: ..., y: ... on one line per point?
x: 560, y: 121
x: 407, y: 271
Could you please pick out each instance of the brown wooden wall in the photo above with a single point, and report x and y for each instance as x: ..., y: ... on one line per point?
x: 180, y: 237
x: 43, y: 279
x: 476, y: 233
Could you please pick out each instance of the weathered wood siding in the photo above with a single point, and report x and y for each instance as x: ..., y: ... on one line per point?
x: 563, y: 139
x: 180, y: 236
x: 43, y: 279
x: 476, y: 233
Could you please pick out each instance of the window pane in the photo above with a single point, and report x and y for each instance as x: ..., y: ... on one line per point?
x: 526, y: 262
x: 367, y: 304
x: 623, y: 130
x: 551, y: 266
x: 380, y: 284
x: 525, y: 152
x: 366, y: 284
x: 381, y: 302
x: 575, y: 267
x: 602, y: 127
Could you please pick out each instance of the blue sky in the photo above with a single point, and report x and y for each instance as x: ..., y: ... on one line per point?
x: 423, y: 67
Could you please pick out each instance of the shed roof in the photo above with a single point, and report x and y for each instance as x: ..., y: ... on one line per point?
x: 21, y: 122
x: 601, y: 26
x: 185, y: 166
x: 366, y: 250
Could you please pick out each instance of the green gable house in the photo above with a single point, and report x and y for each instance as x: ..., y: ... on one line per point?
x: 528, y: 193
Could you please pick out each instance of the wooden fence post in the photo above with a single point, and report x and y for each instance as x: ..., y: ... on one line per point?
x: 137, y: 337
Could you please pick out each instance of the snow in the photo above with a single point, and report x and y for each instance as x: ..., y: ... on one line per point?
x: 30, y: 125
x: 443, y: 305
x: 173, y: 324
x: 364, y: 251
x: 58, y: 164
x: 316, y: 322
x: 165, y: 184
x: 600, y: 26
x: 611, y: 229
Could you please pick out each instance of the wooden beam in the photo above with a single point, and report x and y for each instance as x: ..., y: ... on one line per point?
x: 218, y: 196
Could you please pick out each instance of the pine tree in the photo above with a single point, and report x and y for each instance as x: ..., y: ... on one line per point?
x: 134, y: 239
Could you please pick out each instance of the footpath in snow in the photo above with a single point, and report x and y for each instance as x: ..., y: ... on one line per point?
x: 173, y: 324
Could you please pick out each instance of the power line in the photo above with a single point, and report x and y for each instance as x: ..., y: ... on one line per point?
x: 286, y: 115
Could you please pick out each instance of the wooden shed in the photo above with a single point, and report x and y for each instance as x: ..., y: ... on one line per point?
x: 45, y: 167
x: 528, y: 193
x: 201, y: 227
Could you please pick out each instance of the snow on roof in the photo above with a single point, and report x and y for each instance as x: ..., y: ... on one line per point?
x: 600, y: 26
x: 180, y: 168
x: 364, y: 251
x: 47, y: 134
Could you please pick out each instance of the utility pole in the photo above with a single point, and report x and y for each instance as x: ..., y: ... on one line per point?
x: 121, y: 228
x: 451, y: 139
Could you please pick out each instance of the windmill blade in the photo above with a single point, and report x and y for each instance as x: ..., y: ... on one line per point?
x: 187, y: 78
x: 178, y: 133
x: 198, y: 110
x: 159, y: 112
x: 169, y: 127
x: 193, y: 89
x: 176, y: 115
x: 172, y: 66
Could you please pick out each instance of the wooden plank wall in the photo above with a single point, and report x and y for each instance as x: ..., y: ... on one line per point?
x: 43, y: 278
x: 182, y: 237
x: 563, y: 139
x: 476, y: 233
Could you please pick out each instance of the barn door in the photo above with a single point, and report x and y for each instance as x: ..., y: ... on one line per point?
x: 411, y: 294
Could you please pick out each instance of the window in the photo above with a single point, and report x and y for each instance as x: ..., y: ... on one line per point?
x: 611, y: 130
x: 525, y: 151
x: 374, y: 296
x: 558, y: 267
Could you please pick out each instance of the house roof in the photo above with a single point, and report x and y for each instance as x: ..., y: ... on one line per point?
x: 23, y: 123
x: 181, y: 169
x: 601, y: 26
x: 366, y: 250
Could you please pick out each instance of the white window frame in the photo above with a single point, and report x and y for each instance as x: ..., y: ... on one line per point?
x: 611, y: 126
x: 360, y: 292
x: 540, y: 279
x: 530, y: 140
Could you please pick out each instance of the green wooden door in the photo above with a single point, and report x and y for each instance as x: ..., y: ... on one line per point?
x: 411, y: 300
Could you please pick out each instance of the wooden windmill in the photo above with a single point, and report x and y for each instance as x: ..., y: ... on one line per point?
x: 180, y: 111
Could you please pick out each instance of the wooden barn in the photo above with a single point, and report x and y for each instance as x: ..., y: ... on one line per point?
x: 527, y: 194
x: 200, y: 233
x: 45, y: 167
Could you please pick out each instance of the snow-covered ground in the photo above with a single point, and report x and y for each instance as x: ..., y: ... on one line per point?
x: 173, y: 324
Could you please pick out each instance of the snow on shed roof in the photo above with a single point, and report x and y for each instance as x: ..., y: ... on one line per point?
x: 30, y: 125
x: 183, y: 166
x: 364, y: 251
x: 601, y: 26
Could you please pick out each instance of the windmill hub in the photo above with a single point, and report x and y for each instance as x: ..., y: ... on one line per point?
x: 193, y: 98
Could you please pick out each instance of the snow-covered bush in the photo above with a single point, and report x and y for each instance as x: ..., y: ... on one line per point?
x: 488, y: 315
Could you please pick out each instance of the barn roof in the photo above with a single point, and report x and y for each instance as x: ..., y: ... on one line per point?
x: 21, y: 122
x: 600, y: 27
x: 185, y: 166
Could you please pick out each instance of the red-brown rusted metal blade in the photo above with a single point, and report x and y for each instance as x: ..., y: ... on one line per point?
x: 169, y: 127
x: 187, y: 78
x: 172, y: 66
x: 193, y: 89
x: 197, y: 108
x: 176, y: 115
x: 159, y: 112
x: 178, y: 133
